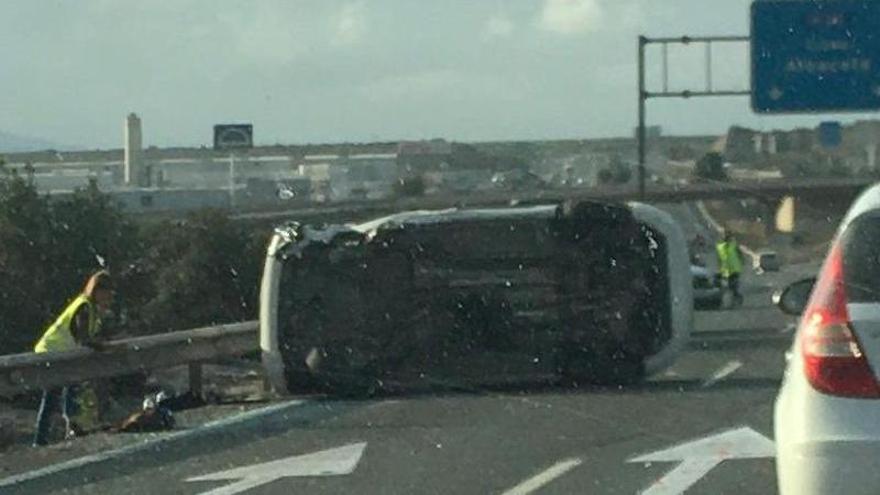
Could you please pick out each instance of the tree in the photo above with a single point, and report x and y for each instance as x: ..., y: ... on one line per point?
x: 616, y: 172
x: 25, y: 263
x: 605, y: 176
x: 90, y: 232
x: 410, y: 186
x: 171, y: 275
x: 200, y: 271
x: 837, y: 167
x: 796, y: 164
x: 48, y: 250
x: 622, y: 174
x: 711, y: 167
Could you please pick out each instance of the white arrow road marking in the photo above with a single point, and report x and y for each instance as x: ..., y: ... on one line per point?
x: 330, y: 462
x: 544, y: 477
x: 722, y: 373
x: 696, y: 458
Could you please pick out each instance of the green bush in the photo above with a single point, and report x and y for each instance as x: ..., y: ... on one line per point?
x: 200, y: 271
x: 172, y: 275
x: 711, y: 167
x: 47, y: 250
x: 410, y: 186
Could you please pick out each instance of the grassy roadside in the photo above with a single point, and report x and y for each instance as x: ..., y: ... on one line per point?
x: 753, y: 224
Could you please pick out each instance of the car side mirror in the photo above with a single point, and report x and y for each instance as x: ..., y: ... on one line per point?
x: 793, y: 299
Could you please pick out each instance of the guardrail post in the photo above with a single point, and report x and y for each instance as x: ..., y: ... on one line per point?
x: 195, y: 379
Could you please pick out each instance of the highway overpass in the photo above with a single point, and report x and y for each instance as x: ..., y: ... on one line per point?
x: 781, y: 195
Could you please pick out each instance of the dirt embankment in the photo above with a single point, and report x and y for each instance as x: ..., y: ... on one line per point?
x: 227, y: 388
x: 753, y: 222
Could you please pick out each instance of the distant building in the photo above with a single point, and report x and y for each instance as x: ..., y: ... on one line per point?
x: 860, y: 142
x: 415, y: 157
x: 743, y: 145
x: 800, y: 140
x: 740, y: 145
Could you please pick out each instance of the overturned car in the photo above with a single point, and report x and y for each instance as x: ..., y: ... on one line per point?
x: 591, y: 292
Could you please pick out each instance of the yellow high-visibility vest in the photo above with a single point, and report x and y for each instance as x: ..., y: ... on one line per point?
x: 58, y: 336
x: 729, y: 261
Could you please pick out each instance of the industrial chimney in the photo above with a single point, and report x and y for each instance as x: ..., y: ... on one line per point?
x: 133, y: 166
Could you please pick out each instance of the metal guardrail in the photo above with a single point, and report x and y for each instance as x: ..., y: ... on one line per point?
x: 28, y: 372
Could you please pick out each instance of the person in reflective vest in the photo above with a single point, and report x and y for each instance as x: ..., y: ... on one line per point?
x: 78, y: 325
x: 730, y: 262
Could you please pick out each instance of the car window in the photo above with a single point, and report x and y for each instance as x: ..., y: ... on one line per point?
x: 862, y: 259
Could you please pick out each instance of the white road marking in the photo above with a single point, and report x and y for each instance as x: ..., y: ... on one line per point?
x: 698, y: 457
x: 330, y: 462
x: 788, y: 328
x: 722, y: 373
x: 158, y: 443
x: 682, y: 477
x: 544, y: 477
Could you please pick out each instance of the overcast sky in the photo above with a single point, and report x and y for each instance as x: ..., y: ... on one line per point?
x: 329, y: 71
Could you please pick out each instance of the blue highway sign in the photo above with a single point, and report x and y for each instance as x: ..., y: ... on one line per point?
x: 815, y: 56
x: 830, y: 134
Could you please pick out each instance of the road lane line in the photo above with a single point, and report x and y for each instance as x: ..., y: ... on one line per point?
x: 539, y: 480
x: 722, y: 373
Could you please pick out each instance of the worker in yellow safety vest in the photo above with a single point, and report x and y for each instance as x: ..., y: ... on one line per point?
x: 730, y: 262
x: 78, y: 325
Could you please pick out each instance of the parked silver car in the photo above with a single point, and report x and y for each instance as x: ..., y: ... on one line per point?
x: 827, y: 416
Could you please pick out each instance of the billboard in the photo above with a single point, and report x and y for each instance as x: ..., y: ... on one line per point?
x: 815, y: 56
x: 233, y: 136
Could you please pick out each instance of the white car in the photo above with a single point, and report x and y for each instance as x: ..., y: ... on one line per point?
x: 827, y: 414
x: 766, y: 261
x: 428, y: 296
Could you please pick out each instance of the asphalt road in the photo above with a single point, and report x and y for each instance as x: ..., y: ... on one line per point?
x: 541, y: 439
x: 491, y: 442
